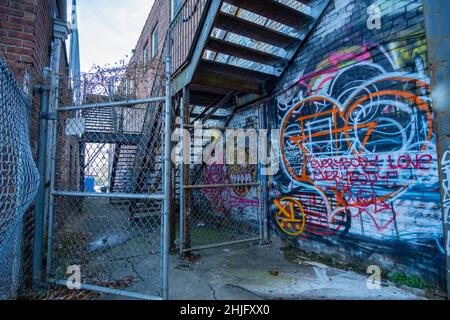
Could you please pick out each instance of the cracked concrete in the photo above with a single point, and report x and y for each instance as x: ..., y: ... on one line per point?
x: 253, y: 272
x: 244, y: 272
x: 248, y: 271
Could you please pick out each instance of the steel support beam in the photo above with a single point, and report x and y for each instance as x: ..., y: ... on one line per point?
x: 437, y: 13
x: 187, y: 239
x: 182, y: 173
x: 264, y: 201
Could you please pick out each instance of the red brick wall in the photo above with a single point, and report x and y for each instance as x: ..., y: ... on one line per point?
x: 159, y: 16
x: 26, y: 28
x: 18, y: 34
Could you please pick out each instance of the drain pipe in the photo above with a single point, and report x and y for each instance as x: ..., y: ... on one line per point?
x: 60, y: 32
x: 44, y: 91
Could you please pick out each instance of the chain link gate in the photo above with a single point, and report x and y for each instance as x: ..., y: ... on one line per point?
x: 221, y: 204
x: 109, y: 202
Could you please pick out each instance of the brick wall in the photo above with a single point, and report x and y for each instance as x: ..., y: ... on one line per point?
x: 159, y: 17
x: 358, y: 180
x: 26, y: 28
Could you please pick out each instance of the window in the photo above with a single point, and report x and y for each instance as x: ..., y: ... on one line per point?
x: 155, y: 42
x: 131, y: 87
x: 175, y: 6
x: 145, y: 53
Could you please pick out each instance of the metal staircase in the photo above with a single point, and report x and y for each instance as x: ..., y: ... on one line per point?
x: 245, y: 46
x: 106, y: 126
x: 100, y: 120
x: 124, y: 157
x: 240, y: 49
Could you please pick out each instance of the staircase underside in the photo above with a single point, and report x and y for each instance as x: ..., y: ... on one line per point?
x: 243, y: 48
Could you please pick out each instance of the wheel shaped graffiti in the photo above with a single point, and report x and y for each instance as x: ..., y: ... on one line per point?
x: 290, y: 216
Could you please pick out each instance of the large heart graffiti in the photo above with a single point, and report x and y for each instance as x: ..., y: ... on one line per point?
x: 361, y: 149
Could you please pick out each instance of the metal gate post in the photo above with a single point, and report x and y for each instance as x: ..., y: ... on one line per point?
x: 263, y: 179
x: 182, y: 203
x: 167, y: 175
x: 187, y: 176
x: 40, y: 198
x: 436, y: 19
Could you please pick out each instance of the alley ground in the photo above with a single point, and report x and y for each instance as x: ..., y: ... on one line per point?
x: 253, y: 272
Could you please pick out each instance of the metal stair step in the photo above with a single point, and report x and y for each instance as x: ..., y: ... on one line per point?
x: 275, y: 11
x: 243, y: 52
x: 253, y: 30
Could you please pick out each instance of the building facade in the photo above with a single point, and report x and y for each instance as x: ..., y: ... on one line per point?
x: 358, y: 143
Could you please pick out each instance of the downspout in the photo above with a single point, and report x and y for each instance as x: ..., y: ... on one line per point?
x: 60, y: 31
x: 44, y: 91
x: 49, y: 102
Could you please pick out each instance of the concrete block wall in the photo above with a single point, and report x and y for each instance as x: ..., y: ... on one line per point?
x: 358, y: 180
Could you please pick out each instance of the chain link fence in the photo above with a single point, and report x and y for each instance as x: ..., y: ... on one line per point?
x: 222, y: 201
x: 19, y: 179
x: 107, y: 204
x: 106, y: 222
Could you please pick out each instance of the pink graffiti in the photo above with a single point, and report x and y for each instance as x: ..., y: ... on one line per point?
x: 335, y: 60
x: 223, y: 199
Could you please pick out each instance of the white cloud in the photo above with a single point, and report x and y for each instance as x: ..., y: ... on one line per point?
x: 109, y: 29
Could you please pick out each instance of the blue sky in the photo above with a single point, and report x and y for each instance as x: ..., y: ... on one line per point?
x: 109, y: 29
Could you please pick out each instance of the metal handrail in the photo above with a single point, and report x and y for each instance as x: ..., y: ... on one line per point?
x: 190, y: 30
x: 178, y: 13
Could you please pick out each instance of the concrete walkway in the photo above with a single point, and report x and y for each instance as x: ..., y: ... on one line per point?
x: 261, y: 272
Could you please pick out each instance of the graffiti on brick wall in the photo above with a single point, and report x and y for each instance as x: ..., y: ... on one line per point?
x: 446, y: 184
x: 226, y: 200
x: 356, y: 141
x: 239, y: 199
x: 446, y: 190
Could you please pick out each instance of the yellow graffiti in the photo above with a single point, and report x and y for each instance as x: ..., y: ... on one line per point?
x: 288, y: 216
